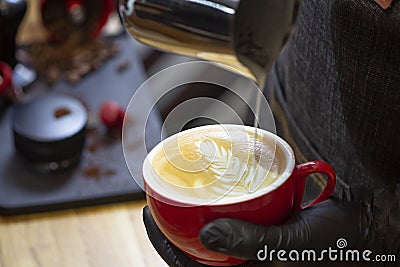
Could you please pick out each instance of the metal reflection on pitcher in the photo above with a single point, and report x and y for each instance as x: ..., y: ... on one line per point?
x: 247, y: 35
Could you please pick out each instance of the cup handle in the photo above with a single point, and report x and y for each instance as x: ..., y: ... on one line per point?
x: 305, y: 169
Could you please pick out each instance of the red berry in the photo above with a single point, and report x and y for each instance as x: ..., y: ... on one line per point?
x: 112, y: 115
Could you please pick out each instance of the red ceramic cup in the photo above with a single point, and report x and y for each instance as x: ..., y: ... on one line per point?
x: 5, y: 74
x: 9, y: 93
x: 107, y: 6
x: 181, y: 219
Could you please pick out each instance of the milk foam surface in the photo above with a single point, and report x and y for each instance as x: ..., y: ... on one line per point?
x: 222, y: 162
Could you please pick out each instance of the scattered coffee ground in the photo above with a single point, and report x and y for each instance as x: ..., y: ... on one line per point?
x: 72, y: 59
x: 74, y: 52
x: 123, y: 66
x: 92, y: 172
x: 61, y: 112
x: 97, y: 172
x: 93, y: 147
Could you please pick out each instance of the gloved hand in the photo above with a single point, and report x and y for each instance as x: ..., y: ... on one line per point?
x: 319, y: 227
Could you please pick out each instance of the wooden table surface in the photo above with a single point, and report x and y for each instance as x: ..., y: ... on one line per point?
x: 104, y: 236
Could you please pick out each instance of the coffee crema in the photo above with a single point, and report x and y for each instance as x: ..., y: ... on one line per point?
x: 223, y: 162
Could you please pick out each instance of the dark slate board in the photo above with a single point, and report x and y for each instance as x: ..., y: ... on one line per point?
x: 23, y: 190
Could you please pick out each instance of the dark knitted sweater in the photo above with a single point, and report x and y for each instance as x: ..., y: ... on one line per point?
x: 335, y: 93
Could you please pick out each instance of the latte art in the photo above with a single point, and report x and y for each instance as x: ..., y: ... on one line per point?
x: 220, y: 162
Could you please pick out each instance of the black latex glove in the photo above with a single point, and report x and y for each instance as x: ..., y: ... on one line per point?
x: 318, y: 227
